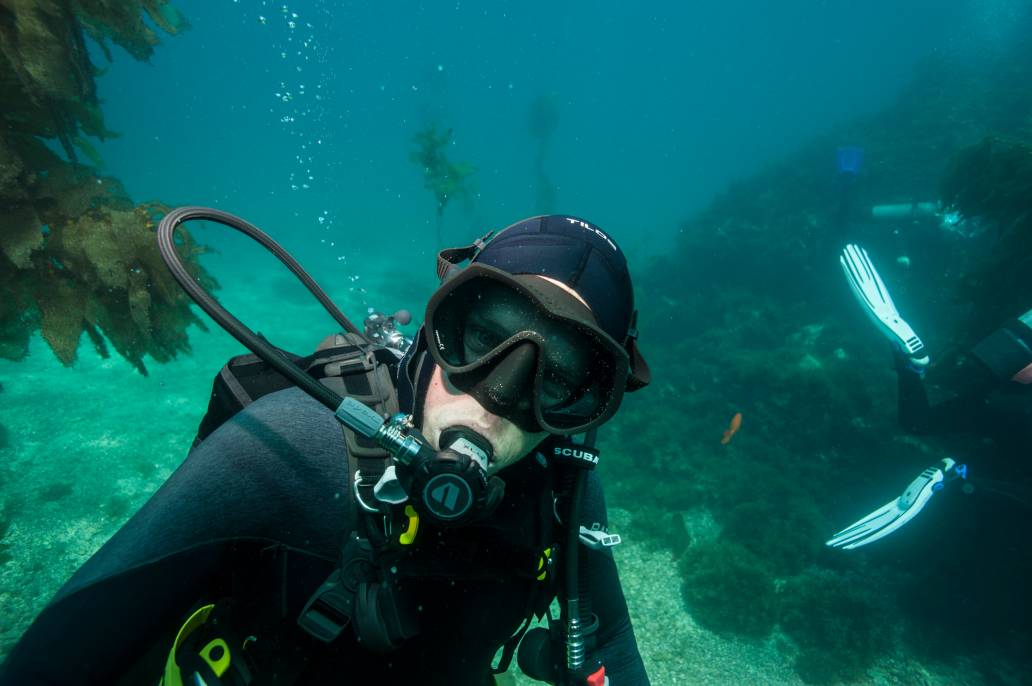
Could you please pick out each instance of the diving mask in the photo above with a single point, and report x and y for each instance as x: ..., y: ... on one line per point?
x: 526, y: 350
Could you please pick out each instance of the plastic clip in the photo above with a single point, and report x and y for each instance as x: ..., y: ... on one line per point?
x: 356, y: 485
x: 596, y: 539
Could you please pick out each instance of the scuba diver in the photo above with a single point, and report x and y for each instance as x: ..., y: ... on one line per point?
x: 993, y: 403
x: 352, y: 517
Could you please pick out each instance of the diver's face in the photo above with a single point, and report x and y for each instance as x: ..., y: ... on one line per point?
x: 447, y: 406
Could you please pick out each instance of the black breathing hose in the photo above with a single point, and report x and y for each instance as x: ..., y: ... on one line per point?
x: 166, y: 244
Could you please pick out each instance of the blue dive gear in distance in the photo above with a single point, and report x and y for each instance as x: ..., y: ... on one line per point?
x: 849, y: 160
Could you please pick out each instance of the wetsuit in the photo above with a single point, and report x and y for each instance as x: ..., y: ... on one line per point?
x: 985, y: 407
x: 258, y: 513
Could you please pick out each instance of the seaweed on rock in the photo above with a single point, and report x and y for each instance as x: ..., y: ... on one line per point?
x: 991, y: 182
x: 728, y: 589
x: 750, y: 314
x: 837, y: 624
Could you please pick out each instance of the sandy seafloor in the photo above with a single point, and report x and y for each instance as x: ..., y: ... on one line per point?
x: 90, y: 443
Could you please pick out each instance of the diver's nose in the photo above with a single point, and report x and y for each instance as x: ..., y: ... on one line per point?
x: 511, y: 383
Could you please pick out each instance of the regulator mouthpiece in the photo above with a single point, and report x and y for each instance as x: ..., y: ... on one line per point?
x: 450, y: 485
x: 467, y: 442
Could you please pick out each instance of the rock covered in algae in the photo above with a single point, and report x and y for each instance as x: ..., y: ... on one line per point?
x: 749, y: 313
x: 990, y: 183
x: 77, y: 255
x: 728, y: 589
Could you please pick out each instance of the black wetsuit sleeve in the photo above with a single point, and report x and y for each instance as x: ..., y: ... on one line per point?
x: 959, y: 414
x: 616, y: 643
x: 251, y: 484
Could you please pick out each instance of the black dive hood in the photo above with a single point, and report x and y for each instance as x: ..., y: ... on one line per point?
x: 1007, y: 352
x: 414, y: 372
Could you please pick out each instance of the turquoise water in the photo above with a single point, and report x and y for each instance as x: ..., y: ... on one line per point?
x: 658, y: 108
x: 300, y: 118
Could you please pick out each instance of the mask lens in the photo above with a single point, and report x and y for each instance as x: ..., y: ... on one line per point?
x: 578, y: 384
x: 476, y: 318
x: 577, y: 370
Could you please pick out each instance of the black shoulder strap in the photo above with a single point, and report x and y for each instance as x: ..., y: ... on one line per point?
x: 354, y: 368
x: 241, y: 381
x: 346, y: 363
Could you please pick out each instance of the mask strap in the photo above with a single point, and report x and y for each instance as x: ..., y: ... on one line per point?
x: 639, y: 375
x: 449, y: 259
x: 632, y: 329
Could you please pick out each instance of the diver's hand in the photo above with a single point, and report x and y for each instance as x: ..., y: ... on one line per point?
x: 901, y: 510
x: 873, y: 296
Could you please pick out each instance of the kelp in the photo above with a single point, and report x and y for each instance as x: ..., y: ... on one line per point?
x: 442, y: 177
x: 542, y: 121
x: 77, y: 255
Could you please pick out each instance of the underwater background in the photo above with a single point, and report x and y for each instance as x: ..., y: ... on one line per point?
x: 703, y: 136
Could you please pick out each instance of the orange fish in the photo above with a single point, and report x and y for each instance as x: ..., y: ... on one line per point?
x: 736, y: 424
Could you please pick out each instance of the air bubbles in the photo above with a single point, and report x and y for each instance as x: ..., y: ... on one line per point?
x: 297, y: 40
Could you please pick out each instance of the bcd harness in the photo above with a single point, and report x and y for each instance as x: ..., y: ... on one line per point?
x: 364, y: 591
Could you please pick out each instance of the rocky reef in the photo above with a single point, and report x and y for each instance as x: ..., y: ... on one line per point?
x: 761, y: 322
